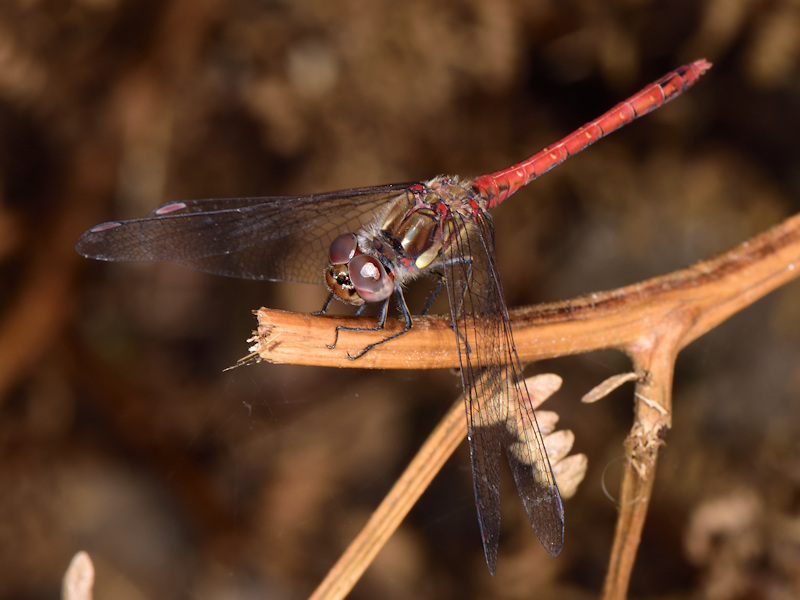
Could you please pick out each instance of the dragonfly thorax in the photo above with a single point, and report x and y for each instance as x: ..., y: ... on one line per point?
x: 414, y: 226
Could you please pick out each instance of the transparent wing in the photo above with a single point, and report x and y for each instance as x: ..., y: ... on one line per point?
x: 499, y: 410
x: 275, y: 238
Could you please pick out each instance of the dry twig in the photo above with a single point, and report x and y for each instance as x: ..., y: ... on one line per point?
x: 79, y: 578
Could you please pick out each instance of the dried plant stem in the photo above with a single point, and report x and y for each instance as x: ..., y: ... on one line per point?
x: 652, y: 414
x: 430, y: 458
x: 700, y: 296
x: 650, y: 321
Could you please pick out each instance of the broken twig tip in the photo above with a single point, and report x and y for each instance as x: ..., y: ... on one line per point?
x: 604, y: 388
x: 251, y: 359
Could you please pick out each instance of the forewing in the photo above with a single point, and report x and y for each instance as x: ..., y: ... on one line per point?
x: 273, y: 238
x: 499, y: 409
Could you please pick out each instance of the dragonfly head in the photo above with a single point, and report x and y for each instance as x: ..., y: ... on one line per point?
x: 355, y: 277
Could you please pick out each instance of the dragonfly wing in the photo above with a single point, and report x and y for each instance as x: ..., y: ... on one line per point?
x: 272, y: 238
x: 499, y: 409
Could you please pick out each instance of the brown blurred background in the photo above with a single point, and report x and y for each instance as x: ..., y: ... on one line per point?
x: 121, y: 435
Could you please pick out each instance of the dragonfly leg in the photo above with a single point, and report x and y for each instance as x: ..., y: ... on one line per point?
x: 466, y: 262
x: 435, y: 294
x: 378, y: 327
x: 325, y: 306
x: 401, y: 303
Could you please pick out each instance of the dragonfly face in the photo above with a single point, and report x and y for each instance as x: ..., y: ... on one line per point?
x: 355, y: 277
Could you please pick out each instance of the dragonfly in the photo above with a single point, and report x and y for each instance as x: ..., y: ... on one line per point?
x: 367, y: 244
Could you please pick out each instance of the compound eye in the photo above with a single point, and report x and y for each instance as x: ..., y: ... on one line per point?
x: 343, y: 248
x: 370, y: 279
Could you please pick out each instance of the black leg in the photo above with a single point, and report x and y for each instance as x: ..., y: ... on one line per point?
x: 435, y: 293
x: 464, y: 260
x: 325, y: 306
x: 378, y: 327
x: 467, y: 261
x: 401, y: 303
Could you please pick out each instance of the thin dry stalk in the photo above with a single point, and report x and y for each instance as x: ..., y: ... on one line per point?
x: 650, y: 321
x: 430, y: 458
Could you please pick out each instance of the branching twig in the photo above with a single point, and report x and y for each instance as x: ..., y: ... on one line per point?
x: 650, y: 321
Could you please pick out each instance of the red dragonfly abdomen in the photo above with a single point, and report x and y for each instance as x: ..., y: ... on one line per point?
x: 498, y: 186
